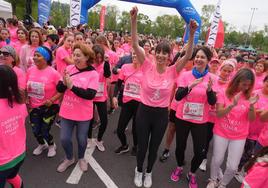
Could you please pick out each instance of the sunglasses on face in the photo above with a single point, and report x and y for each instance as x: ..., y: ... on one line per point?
x: 5, y: 54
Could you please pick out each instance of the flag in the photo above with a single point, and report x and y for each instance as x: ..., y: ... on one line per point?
x: 214, y: 26
x: 43, y: 11
x: 102, y: 18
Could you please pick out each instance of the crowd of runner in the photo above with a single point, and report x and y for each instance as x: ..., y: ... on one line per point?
x: 75, y: 77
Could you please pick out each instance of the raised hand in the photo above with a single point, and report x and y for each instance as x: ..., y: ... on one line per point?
x: 193, y: 25
x: 133, y: 13
x: 210, y: 84
x: 253, y: 99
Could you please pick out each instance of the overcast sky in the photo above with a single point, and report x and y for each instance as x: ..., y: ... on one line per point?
x: 235, y: 12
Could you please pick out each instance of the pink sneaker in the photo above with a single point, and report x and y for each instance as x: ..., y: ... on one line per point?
x: 176, y: 174
x: 192, y: 181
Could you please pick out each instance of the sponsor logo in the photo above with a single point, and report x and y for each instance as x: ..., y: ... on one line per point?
x: 189, y: 11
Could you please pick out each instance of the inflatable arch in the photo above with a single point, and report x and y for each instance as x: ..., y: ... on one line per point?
x: 184, y: 7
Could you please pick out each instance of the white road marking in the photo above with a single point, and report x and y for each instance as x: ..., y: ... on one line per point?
x: 76, y: 174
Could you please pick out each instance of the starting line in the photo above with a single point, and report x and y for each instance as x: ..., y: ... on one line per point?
x: 76, y: 174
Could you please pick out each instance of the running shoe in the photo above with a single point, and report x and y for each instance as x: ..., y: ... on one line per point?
x: 176, y: 174
x: 122, y: 149
x: 192, y: 181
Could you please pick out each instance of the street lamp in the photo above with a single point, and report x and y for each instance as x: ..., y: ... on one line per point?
x: 253, y: 11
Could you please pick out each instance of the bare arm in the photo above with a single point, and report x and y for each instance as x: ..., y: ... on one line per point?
x: 189, y: 49
x: 264, y: 115
x: 223, y: 111
x: 68, y: 60
x: 134, y: 36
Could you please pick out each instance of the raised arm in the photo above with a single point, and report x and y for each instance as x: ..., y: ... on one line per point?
x: 190, y: 45
x: 134, y: 36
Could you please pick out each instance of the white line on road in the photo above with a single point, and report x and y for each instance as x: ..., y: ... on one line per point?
x: 76, y: 174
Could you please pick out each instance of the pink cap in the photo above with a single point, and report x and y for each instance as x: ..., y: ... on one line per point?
x: 228, y: 62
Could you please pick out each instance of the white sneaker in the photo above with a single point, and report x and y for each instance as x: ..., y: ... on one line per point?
x: 138, y: 178
x: 239, y: 176
x: 40, y: 148
x: 212, y: 183
x: 52, y: 150
x: 100, y: 145
x: 65, y: 164
x: 203, y: 165
x: 90, y: 143
x: 147, y: 180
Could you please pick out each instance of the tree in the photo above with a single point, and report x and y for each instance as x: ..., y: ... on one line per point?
x: 124, y: 21
x: 18, y: 8
x: 207, y: 11
x: 144, y: 24
x: 59, y: 14
x: 111, y: 17
x: 94, y: 17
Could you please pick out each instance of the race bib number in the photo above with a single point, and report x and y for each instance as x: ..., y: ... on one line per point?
x: 100, y: 90
x: 36, y: 89
x: 193, y: 111
x: 132, y: 90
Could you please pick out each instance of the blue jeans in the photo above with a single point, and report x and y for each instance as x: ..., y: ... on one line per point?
x: 66, y: 133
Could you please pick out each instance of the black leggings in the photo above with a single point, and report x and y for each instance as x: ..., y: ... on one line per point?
x: 199, y: 136
x: 151, y: 123
x: 128, y: 111
x: 102, y: 111
x: 9, y: 174
x: 209, y: 136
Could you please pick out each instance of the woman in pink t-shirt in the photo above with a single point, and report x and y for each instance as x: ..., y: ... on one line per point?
x: 235, y: 109
x: 22, y: 39
x: 12, y: 25
x: 156, y: 89
x: 225, y: 71
x: 196, y: 94
x: 118, y: 50
x: 102, y: 66
x: 4, y: 37
x: 27, y: 51
x: 131, y: 76
x: 63, y: 53
x: 43, y: 98
x: 12, y: 128
x: 257, y: 170
x: 9, y: 57
x: 260, y: 72
x: 79, y: 85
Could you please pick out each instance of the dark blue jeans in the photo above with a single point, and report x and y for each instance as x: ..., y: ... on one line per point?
x: 67, y: 127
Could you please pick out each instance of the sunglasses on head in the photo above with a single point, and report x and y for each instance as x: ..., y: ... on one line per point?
x: 6, y: 54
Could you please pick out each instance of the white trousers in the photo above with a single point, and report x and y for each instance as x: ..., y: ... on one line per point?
x: 235, y: 151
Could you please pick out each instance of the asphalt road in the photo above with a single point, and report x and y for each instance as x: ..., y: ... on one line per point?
x: 40, y: 171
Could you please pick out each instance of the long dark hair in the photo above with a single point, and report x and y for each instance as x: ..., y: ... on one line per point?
x: 252, y: 161
x: 9, y: 88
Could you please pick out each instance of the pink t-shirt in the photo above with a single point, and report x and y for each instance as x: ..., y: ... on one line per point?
x: 21, y: 77
x: 257, y: 175
x: 156, y: 88
x: 234, y: 125
x: 174, y: 102
x: 132, y: 82
x: 26, y: 57
x: 101, y: 94
x: 12, y: 131
x: 74, y: 107
x: 256, y: 126
x: 13, y: 34
x: 127, y: 48
x: 263, y: 137
x: 259, y: 81
x: 212, y: 110
x: 62, y: 53
x: 194, y: 107
x: 113, y: 59
x: 119, y: 52
x: 41, y: 85
x: 18, y: 45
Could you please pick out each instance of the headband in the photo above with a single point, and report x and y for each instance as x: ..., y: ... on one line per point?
x: 44, y: 53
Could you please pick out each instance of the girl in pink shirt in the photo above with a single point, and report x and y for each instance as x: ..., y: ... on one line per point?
x: 79, y: 85
x: 12, y: 25
x: 27, y: 51
x: 131, y: 75
x: 235, y: 109
x: 156, y: 89
x: 5, y: 37
x: 257, y: 170
x: 260, y: 72
x: 43, y: 99
x: 12, y: 128
x: 63, y: 54
x: 119, y: 51
x: 100, y: 101
x: 22, y: 39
